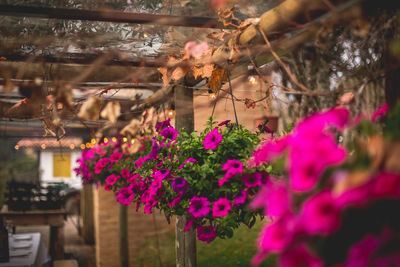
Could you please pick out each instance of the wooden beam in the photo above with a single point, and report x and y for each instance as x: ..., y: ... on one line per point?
x: 82, y: 59
x: 108, y: 15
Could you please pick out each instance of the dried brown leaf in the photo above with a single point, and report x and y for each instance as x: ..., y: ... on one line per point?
x: 111, y: 111
x: 90, y: 109
x: 132, y: 129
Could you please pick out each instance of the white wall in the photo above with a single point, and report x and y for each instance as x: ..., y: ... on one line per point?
x: 46, y: 169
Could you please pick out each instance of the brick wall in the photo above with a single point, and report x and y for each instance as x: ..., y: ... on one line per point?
x: 140, y: 226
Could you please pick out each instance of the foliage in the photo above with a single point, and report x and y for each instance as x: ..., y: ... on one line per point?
x: 334, y: 207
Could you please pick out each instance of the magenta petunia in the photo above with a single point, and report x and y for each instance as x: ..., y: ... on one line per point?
x: 212, y: 139
x: 275, y: 237
x: 107, y: 187
x: 179, y: 184
x: 163, y: 124
x: 320, y: 214
x: 360, y: 253
x: 125, y: 195
x: 100, y: 165
x: 380, y: 112
x: 162, y: 174
x: 206, y: 233
x: 232, y: 167
x: 176, y: 200
x: 269, y: 150
x: 199, y: 207
x: 221, y: 207
x: 115, y: 157
x: 188, y: 224
x: 169, y: 133
x: 224, y: 123
x: 240, y: 198
x: 387, y: 185
x: 299, y: 255
x: 192, y: 160
x: 139, y: 163
x: 125, y: 173
x: 111, y: 179
x: 252, y: 179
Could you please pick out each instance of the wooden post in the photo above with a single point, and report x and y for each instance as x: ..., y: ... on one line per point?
x: 185, y: 242
x: 123, y: 236
x: 87, y: 213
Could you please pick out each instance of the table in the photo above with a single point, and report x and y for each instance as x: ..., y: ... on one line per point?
x: 26, y: 250
x: 54, y: 218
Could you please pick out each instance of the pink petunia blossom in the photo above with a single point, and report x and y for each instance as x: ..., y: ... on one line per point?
x: 125, y: 195
x: 221, y: 207
x: 100, y: 165
x: 275, y: 237
x: 162, y: 174
x: 125, y: 173
x: 232, y: 167
x: 111, y: 179
x: 380, y: 112
x: 188, y: 224
x: 224, y: 123
x: 169, y: 133
x: 176, y: 200
x: 192, y: 160
x: 252, y: 179
x: 320, y: 214
x: 179, y: 184
x: 199, y: 207
x: 386, y: 184
x: 212, y: 139
x: 115, y: 157
x: 163, y: 124
x: 240, y: 198
x: 361, y: 253
x: 206, y: 233
x: 268, y: 150
x: 299, y: 255
x: 278, y: 200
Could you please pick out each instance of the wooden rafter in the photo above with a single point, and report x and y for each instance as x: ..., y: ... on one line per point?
x: 109, y: 16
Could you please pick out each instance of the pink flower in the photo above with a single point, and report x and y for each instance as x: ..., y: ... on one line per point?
x: 100, y: 165
x: 308, y: 158
x: 298, y: 256
x: 163, y: 124
x: 107, y: 187
x: 115, y: 157
x: 252, y: 179
x: 224, y: 123
x: 278, y: 201
x: 387, y: 185
x: 268, y: 151
x: 125, y: 195
x: 206, y: 233
x: 360, y: 253
x: 274, y: 198
x: 320, y: 214
x: 221, y: 207
x: 179, y: 184
x: 212, y: 139
x: 275, y: 237
x: 196, y: 50
x: 139, y: 163
x: 381, y: 111
x: 232, y: 167
x: 111, y: 179
x: 188, y: 224
x: 125, y: 173
x: 240, y: 198
x: 162, y: 174
x: 176, y: 200
x: 169, y: 133
x: 199, y: 207
x: 192, y: 160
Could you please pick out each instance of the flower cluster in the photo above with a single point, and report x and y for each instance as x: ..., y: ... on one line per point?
x: 201, y: 176
x: 332, y: 210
